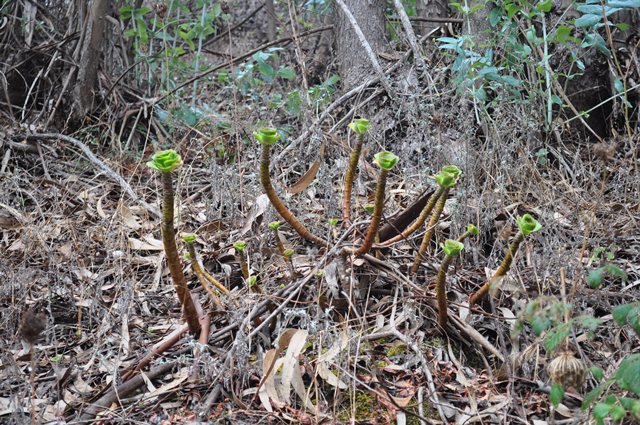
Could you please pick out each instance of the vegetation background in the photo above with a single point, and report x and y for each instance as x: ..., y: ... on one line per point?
x: 536, y: 102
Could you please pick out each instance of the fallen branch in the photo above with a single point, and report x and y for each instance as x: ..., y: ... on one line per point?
x: 100, y: 164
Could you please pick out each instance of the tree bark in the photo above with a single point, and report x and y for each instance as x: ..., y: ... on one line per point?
x: 90, y: 58
x: 353, y: 62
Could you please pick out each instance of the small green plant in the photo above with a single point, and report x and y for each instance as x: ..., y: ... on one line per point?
x: 446, y: 179
x: 166, y: 162
x: 287, y: 254
x: 240, y: 247
x: 471, y: 231
x: 451, y: 249
x: 359, y: 126
x: 526, y: 225
x: 597, y: 276
x: 205, y: 279
x: 386, y: 161
x: 267, y: 137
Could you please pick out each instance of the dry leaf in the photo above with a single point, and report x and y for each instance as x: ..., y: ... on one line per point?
x: 309, y: 176
x: 255, y: 213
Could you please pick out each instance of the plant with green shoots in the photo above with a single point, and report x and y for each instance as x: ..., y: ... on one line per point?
x: 472, y: 231
x: 203, y: 276
x: 446, y: 179
x: 359, y: 126
x: 526, y: 226
x: 386, y: 161
x: 451, y: 249
x: 268, y: 137
x: 166, y: 162
x: 275, y: 226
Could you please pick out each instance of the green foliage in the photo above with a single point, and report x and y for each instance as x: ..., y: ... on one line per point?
x: 597, y: 277
x: 546, y: 318
x: 556, y: 394
x: 452, y: 248
x: 386, y: 160
x: 165, y: 161
x: 527, y: 224
x: 628, y: 314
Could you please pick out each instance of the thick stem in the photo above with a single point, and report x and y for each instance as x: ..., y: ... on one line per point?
x: 173, y: 259
x: 419, y: 221
x: 441, y: 291
x: 377, y: 214
x: 348, y: 181
x: 502, y: 270
x: 431, y: 228
x: 277, y: 203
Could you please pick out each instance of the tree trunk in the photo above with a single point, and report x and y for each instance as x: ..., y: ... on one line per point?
x: 430, y: 9
x: 354, y: 64
x: 90, y: 58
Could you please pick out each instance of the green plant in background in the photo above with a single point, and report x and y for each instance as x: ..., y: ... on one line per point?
x: 240, y: 247
x: 386, y: 161
x: 597, y: 276
x: 205, y: 279
x: 166, y: 162
x: 471, y: 231
x: 451, y: 249
x: 359, y: 126
x: 446, y: 179
x: 286, y: 254
x: 267, y: 137
x: 526, y: 225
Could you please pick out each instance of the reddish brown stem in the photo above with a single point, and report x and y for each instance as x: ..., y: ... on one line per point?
x: 419, y: 221
x: 431, y: 228
x: 173, y: 260
x: 203, y: 276
x: 502, y: 270
x: 348, y: 181
x: 377, y: 214
x: 277, y: 203
x: 441, y: 291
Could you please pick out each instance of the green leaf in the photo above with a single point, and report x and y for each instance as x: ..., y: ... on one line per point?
x: 617, y: 412
x: 539, y: 324
x: 601, y: 410
x: 562, y: 34
x: 592, y: 396
x: 545, y: 6
x: 556, y: 394
x: 555, y: 337
x: 620, y: 313
x: 286, y: 72
x: 628, y: 374
x: 634, y: 319
x: 616, y: 271
x: 625, y: 4
x: 595, y: 277
x: 588, y: 20
x: 495, y: 15
x: 597, y: 373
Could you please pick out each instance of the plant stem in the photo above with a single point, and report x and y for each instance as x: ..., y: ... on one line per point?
x: 281, y: 249
x: 431, y: 228
x: 277, y: 203
x: 348, y: 181
x: 419, y: 221
x: 201, y: 272
x: 501, y: 272
x: 173, y: 260
x: 441, y: 291
x: 372, y: 232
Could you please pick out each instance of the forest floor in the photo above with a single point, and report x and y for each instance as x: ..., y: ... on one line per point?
x: 345, y: 340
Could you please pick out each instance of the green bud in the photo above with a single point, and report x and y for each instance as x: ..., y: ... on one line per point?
x: 165, y: 161
x: 446, y: 179
x: 251, y: 281
x: 332, y: 222
x: 288, y: 253
x: 320, y: 273
x: 368, y: 208
x: 360, y: 125
x: 240, y: 246
x: 275, y: 225
x: 452, y: 169
x: 187, y: 256
x: 472, y: 229
x: 528, y: 224
x: 452, y: 248
x: 386, y: 160
x: 189, y: 237
x: 267, y: 136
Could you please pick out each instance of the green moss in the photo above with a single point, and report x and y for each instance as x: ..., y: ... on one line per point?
x: 396, y: 349
x: 366, y: 407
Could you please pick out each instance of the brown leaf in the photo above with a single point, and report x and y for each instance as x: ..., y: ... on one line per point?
x: 309, y: 176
